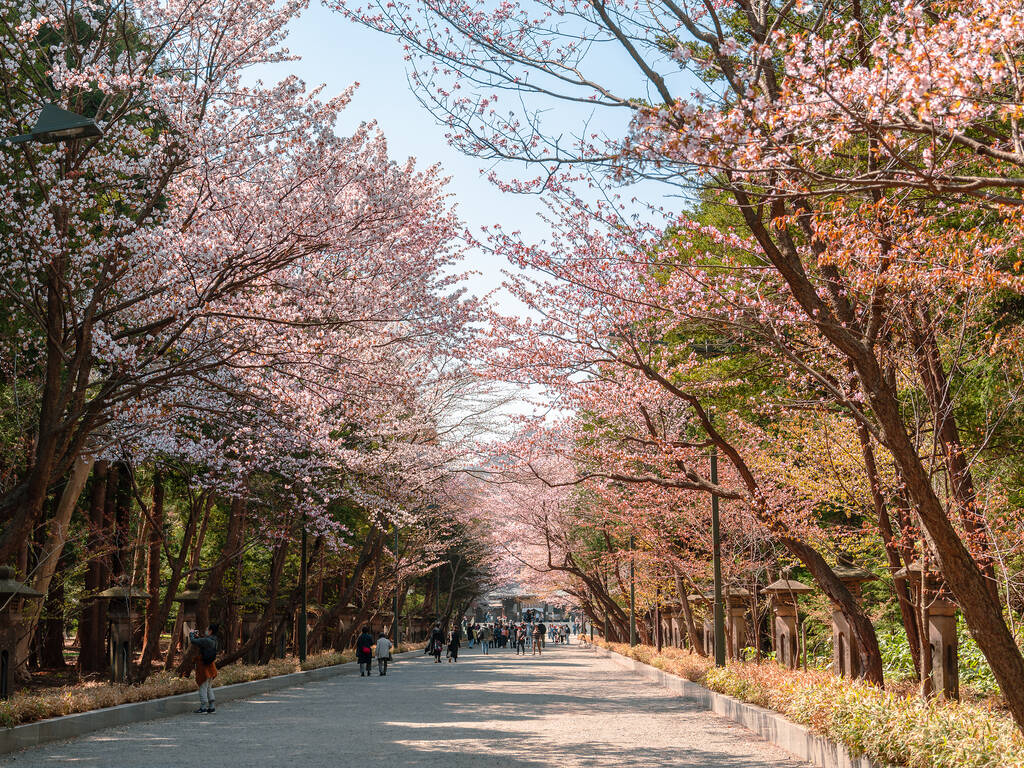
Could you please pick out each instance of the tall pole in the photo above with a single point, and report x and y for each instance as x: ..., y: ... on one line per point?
x: 716, y: 537
x: 657, y: 618
x: 302, y: 579
x: 398, y: 588
x: 632, y: 593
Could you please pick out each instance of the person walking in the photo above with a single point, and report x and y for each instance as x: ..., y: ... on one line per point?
x: 485, y: 638
x: 206, y: 667
x: 538, y: 639
x: 453, y: 646
x: 383, y: 654
x: 521, y: 640
x: 364, y: 651
x: 436, y: 643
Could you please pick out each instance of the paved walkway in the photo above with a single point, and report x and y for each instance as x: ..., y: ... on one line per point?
x: 563, y: 710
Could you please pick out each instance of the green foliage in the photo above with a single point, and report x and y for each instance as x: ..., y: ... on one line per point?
x: 889, y: 728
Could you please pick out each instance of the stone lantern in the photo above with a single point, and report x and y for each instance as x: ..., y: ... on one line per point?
x: 941, y: 628
x: 707, y: 623
x: 189, y: 600
x: 252, y: 612
x: 845, y: 650
x: 784, y: 593
x: 282, y: 629
x: 11, y: 594
x: 121, y: 600
x: 313, y: 613
x: 736, y: 622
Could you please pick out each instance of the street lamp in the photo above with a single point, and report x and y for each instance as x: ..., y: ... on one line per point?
x: 632, y: 593
x: 709, y: 350
x: 55, y: 125
x: 303, y: 577
x: 716, y: 559
x: 398, y: 586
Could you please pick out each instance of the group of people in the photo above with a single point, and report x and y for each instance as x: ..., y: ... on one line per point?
x: 437, y: 643
x: 501, y: 634
x: 368, y: 644
x: 520, y: 636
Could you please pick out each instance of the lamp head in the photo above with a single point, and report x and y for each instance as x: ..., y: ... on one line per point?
x: 55, y: 124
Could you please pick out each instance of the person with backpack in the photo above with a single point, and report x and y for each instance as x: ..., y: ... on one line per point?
x: 383, y: 654
x: 364, y: 652
x: 206, y: 668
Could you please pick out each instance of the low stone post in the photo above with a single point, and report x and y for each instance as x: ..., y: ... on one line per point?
x: 845, y: 649
x: 11, y: 594
x: 784, y: 593
x: 736, y: 622
x: 121, y: 600
x: 942, y: 638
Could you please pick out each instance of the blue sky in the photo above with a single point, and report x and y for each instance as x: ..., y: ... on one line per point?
x: 336, y: 52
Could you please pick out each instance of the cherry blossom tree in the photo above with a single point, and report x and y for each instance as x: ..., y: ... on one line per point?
x: 869, y: 152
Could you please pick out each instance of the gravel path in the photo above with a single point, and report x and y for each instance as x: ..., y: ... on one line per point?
x: 565, y: 709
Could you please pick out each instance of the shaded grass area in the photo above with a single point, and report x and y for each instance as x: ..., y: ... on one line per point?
x: 892, y: 728
x: 30, y: 705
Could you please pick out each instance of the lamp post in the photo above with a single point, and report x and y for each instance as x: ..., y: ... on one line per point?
x: 303, y: 578
x: 398, y: 587
x: 632, y: 593
x: 708, y: 350
x: 657, y: 618
x: 716, y: 557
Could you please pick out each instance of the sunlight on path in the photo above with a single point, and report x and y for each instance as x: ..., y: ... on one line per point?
x: 561, y: 710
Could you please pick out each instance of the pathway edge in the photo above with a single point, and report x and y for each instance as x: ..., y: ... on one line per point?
x: 769, y: 725
x: 81, y: 723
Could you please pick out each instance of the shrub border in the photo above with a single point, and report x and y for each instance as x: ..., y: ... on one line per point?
x: 71, y: 726
x: 771, y: 726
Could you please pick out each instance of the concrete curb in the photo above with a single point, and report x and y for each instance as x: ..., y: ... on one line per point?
x: 78, y: 724
x: 769, y: 725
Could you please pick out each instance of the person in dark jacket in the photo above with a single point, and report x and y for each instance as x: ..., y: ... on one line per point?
x: 436, y: 643
x: 453, y: 646
x: 364, y: 651
x: 206, y: 668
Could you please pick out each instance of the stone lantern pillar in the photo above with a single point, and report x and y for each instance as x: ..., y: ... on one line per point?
x: 845, y: 649
x: 121, y: 600
x: 784, y: 593
x: 282, y: 628
x: 251, y: 614
x: 942, y: 637
x: 11, y: 594
x: 701, y: 603
x: 736, y: 622
x: 189, y: 601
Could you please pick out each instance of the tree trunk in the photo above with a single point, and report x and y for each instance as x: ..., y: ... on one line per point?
x: 154, y: 537
x: 92, y: 622
x: 696, y: 641
x: 232, y: 547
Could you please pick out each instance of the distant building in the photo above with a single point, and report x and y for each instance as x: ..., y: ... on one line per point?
x: 515, y: 603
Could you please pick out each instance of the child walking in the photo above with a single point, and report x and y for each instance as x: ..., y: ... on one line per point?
x: 206, y: 667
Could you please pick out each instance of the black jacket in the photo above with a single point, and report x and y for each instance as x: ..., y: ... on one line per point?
x: 365, y: 640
